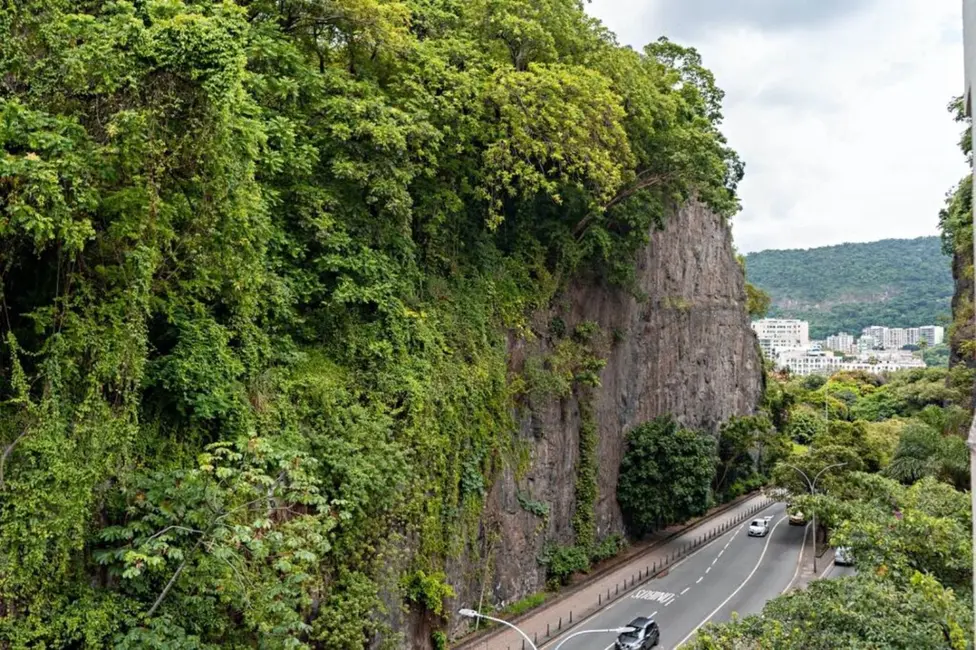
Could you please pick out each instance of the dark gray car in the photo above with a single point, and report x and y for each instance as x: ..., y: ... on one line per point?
x: 644, y: 635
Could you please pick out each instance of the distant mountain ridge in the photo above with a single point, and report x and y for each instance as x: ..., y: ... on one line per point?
x: 845, y: 288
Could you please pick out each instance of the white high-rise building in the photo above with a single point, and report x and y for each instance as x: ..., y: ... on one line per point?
x: 914, y: 334
x: 867, y: 342
x: 781, y: 334
x: 931, y: 334
x: 895, y: 338
x: 876, y: 332
x: 842, y: 342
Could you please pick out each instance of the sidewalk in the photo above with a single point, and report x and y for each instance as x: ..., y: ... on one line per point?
x: 805, y: 574
x: 589, y: 597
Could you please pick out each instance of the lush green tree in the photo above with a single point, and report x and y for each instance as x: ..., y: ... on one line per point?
x: 923, y: 451
x: 857, y: 612
x: 883, y: 437
x: 936, y: 355
x: 748, y: 448
x: 812, y: 462
x: 665, y: 475
x: 853, y: 436
x: 805, y: 424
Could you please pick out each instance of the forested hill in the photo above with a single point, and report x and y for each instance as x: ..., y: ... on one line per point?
x: 893, y: 282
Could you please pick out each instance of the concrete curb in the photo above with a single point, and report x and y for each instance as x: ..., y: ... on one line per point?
x: 651, y: 570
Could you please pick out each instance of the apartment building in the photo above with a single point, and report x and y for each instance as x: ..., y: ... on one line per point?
x: 781, y: 334
x: 804, y: 362
x: 895, y: 338
x: 931, y: 334
x: 842, y: 342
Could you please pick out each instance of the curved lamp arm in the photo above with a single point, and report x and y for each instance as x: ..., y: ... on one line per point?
x: 803, y: 474
x: 470, y: 613
x: 824, y: 470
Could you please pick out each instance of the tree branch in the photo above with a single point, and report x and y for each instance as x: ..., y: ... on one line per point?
x: 645, y: 180
x: 6, y: 452
x: 168, y: 528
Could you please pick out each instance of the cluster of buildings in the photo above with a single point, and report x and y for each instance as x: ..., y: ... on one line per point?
x: 878, y: 349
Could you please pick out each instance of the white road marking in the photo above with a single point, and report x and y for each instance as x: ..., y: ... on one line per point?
x: 699, y: 579
x: 707, y: 569
x: 647, y: 594
x: 720, y: 552
x: 714, y: 561
x: 684, y: 591
x: 653, y: 614
x: 737, y: 590
x: 799, y: 560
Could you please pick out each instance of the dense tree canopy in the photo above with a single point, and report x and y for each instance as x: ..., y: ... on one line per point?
x: 665, y: 476
x: 257, y: 260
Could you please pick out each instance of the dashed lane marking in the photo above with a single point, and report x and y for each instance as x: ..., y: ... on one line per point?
x: 725, y: 602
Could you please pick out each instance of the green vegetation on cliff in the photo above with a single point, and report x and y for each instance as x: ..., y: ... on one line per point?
x: 956, y: 223
x: 258, y: 266
x: 845, y: 288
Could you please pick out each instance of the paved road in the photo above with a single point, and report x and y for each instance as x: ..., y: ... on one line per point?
x: 838, y: 571
x: 734, y: 573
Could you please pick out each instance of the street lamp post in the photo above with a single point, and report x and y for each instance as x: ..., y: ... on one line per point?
x: 470, y: 613
x: 615, y: 630
x: 813, y: 490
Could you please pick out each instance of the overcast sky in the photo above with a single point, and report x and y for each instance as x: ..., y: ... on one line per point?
x: 837, y: 108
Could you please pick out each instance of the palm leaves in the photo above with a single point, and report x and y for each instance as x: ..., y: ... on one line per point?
x: 927, y: 450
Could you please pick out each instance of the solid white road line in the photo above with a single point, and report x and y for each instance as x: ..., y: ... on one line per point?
x: 799, y: 561
x: 737, y: 590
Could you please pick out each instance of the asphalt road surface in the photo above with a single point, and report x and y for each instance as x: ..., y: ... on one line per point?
x: 734, y: 573
x: 838, y: 571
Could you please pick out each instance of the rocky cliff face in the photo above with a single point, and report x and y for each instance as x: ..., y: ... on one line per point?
x: 686, y: 349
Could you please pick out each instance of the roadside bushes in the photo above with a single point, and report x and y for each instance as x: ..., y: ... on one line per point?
x: 665, y: 476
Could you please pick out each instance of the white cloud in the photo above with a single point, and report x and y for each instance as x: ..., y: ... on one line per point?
x: 841, y: 120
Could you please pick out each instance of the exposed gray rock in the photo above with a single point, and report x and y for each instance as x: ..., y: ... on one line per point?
x: 687, y: 349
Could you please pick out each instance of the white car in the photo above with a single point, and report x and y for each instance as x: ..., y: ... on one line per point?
x: 842, y: 556
x: 759, y: 527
